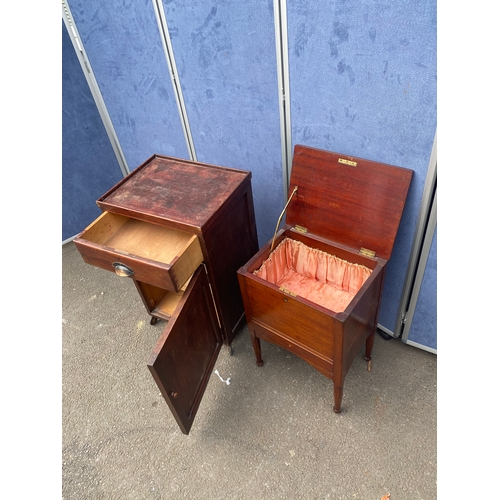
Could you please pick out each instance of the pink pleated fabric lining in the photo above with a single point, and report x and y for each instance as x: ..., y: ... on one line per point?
x: 314, y: 275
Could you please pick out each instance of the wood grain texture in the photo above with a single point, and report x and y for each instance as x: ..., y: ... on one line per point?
x: 347, y: 205
x: 158, y: 255
x: 359, y: 206
x: 182, y: 360
x: 173, y: 190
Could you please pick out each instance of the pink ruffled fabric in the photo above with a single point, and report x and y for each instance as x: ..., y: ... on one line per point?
x: 314, y: 275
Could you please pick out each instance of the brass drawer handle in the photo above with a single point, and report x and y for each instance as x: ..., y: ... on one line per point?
x: 122, y: 269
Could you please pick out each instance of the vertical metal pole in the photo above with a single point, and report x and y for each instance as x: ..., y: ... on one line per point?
x: 419, y: 276
x: 281, y: 35
x: 94, y: 87
x: 423, y: 220
x: 169, y: 55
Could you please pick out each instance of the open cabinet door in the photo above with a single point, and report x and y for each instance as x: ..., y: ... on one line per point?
x: 187, y: 350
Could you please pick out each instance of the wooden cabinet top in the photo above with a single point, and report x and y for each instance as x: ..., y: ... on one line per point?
x: 169, y: 189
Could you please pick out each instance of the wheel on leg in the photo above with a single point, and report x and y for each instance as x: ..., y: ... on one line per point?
x: 369, y: 363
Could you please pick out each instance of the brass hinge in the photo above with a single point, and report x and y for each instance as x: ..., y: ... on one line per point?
x: 289, y: 292
x: 300, y: 229
x: 366, y: 252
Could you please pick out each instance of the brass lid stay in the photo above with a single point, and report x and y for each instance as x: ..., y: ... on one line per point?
x: 281, y: 216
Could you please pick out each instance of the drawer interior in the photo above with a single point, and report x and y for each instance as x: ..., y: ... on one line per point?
x: 168, y: 303
x: 136, y: 237
x: 166, y: 307
x: 159, y: 302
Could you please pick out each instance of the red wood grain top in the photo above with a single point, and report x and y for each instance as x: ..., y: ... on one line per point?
x: 175, y: 190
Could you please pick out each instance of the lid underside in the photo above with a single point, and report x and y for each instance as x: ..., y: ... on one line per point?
x: 353, y: 201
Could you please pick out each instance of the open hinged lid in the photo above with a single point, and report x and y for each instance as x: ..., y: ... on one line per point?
x: 348, y: 200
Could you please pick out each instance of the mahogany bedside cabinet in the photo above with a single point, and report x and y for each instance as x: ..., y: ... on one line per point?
x: 315, y: 289
x: 180, y: 230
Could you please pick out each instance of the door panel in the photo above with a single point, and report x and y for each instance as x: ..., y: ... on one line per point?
x: 187, y: 350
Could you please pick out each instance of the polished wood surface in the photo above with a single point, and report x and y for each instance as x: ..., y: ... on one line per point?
x: 168, y: 219
x: 158, y: 255
x: 358, y: 206
x: 183, y: 359
x: 165, y: 189
x: 230, y: 241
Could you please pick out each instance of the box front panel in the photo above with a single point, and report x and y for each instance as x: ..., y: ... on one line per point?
x: 148, y: 271
x: 301, y: 322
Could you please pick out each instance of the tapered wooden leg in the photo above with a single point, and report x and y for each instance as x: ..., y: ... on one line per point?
x: 256, y: 349
x: 338, y: 391
x: 368, y: 352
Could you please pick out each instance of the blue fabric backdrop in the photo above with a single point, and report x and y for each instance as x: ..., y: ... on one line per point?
x: 423, y: 329
x: 226, y: 58
x: 124, y: 47
x: 89, y: 165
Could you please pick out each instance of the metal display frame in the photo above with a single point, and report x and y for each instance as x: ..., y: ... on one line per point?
x: 281, y: 36
x: 174, y: 75
x: 431, y: 228
x: 426, y: 224
x: 94, y: 87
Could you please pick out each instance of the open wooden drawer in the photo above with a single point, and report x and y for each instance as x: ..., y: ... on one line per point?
x: 160, y: 256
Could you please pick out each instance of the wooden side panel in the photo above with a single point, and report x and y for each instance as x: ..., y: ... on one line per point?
x: 159, y: 303
x: 184, y: 357
x: 186, y: 262
x: 230, y: 242
x: 150, y: 295
x: 362, y: 319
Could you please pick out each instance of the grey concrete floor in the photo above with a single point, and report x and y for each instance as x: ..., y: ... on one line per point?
x: 271, y: 433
